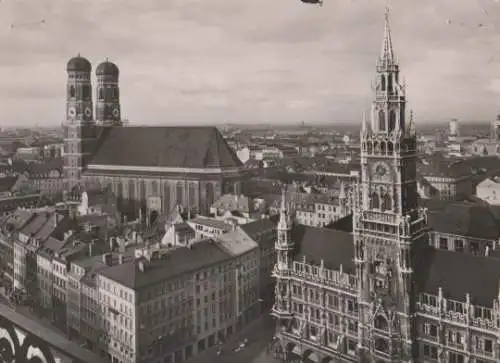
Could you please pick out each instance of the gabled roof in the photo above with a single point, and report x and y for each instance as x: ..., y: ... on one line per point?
x: 182, y: 147
x: 7, y: 183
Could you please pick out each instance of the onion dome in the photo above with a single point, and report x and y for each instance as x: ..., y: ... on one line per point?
x: 107, y: 68
x: 79, y: 64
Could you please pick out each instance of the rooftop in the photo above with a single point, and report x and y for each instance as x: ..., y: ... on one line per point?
x: 180, y: 147
x: 177, y: 261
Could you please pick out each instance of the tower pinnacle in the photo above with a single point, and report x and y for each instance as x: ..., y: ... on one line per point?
x: 387, y: 54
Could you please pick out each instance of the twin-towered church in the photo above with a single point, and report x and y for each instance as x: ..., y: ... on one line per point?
x: 153, y: 168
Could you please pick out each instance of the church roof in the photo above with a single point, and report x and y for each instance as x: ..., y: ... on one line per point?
x: 158, y: 146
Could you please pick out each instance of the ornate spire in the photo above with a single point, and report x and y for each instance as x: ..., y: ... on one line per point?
x: 387, y: 54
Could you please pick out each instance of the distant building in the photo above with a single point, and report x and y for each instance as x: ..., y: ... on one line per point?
x: 489, y: 190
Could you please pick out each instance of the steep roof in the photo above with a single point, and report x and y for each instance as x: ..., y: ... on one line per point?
x: 334, y: 247
x: 461, y: 273
x: 184, y: 147
x: 466, y: 219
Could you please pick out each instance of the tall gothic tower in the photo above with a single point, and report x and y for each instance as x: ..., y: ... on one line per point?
x: 79, y: 127
x: 284, y: 247
x: 107, y: 109
x: 389, y: 229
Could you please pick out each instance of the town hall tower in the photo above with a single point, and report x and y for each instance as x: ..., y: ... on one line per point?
x: 389, y: 229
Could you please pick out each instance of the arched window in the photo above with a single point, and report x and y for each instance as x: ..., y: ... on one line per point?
x: 389, y: 83
x: 381, y: 120
x: 382, y: 82
x: 72, y: 91
x: 131, y: 190
x: 374, y: 201
x: 179, y: 194
x: 119, y: 195
x: 101, y: 93
x: 192, y: 195
x: 390, y: 147
x: 142, y: 190
x: 166, y: 198
x: 386, y: 202
x: 381, y: 345
x: 116, y: 93
x: 383, y: 147
x: 380, y: 323
x: 392, y: 120
x: 210, y: 194
x: 86, y: 91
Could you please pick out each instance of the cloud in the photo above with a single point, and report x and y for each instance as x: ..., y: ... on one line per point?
x: 196, y: 61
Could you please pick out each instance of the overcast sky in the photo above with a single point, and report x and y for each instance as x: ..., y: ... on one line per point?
x: 241, y: 61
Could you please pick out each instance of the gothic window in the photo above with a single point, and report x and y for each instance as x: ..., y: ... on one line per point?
x: 380, y: 323
x: 390, y: 147
x: 386, y: 202
x: 142, y: 190
x: 115, y: 93
x: 72, y: 91
x: 154, y: 188
x: 381, y: 120
x: 392, y: 120
x: 192, y: 195
x: 131, y: 190
x: 374, y: 201
x: 179, y: 191
x: 389, y: 83
x: 210, y: 194
x: 383, y: 148
x: 119, y: 194
x: 101, y: 94
x: 86, y: 91
x: 382, y: 81
x: 381, y: 345
x: 166, y: 197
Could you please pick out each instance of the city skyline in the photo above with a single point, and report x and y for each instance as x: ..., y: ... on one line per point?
x: 266, y: 61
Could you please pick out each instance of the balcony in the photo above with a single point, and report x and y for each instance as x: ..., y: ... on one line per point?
x: 380, y: 217
x: 22, y: 344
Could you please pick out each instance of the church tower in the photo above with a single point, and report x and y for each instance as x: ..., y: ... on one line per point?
x: 79, y: 127
x: 284, y: 258
x: 107, y: 109
x: 389, y: 229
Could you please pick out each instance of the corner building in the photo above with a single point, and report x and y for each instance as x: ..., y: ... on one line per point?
x: 380, y: 292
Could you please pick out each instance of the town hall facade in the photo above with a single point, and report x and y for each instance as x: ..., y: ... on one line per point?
x: 379, y: 292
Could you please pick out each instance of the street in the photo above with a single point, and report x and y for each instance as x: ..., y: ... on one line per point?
x: 259, y: 335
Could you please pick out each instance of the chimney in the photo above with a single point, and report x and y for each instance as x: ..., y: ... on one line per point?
x: 120, y: 258
x: 111, y: 244
x: 141, y: 266
x: 487, y: 251
x: 91, y: 245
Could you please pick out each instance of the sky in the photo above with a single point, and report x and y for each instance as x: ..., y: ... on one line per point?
x: 256, y: 61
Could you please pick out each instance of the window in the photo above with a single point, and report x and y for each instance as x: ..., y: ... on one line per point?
x: 179, y: 194
x: 72, y: 91
x: 380, y: 323
x: 392, y: 120
x: 488, y: 346
x: 459, y: 245
x: 381, y: 120
x: 443, y: 243
x: 166, y: 197
x: 86, y: 91
x: 101, y: 93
